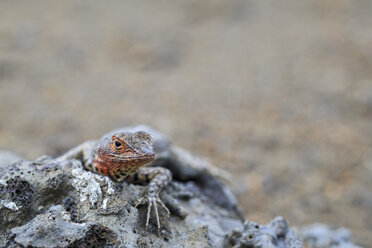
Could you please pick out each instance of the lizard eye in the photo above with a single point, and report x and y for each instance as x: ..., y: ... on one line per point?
x: 117, y: 144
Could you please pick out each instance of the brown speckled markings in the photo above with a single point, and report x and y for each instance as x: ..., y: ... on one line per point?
x: 120, y: 154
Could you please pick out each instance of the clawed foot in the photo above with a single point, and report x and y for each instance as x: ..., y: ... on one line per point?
x: 152, y: 201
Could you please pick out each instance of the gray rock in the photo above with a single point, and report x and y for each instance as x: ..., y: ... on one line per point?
x: 27, y: 187
x: 53, y: 203
x: 50, y: 229
x: 275, y: 234
x: 323, y: 236
x: 56, y: 203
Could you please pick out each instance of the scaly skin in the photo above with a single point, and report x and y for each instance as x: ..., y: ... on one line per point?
x: 120, y: 155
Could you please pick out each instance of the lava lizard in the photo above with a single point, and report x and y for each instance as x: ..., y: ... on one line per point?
x: 121, y: 156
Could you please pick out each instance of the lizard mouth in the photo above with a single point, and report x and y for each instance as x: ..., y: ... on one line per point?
x: 144, y: 157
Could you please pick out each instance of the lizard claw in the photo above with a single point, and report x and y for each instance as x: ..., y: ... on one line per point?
x: 153, y: 202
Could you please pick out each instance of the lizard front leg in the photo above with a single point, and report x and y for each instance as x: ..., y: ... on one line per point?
x: 158, y: 177
x: 85, y: 152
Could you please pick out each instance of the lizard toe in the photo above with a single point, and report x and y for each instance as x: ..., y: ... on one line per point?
x: 163, y: 205
x: 152, y: 204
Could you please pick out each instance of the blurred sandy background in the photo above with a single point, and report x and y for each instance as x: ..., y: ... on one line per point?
x: 279, y: 93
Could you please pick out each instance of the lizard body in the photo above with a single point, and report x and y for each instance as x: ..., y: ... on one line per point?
x: 121, y: 156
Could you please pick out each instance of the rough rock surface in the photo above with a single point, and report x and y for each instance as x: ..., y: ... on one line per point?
x: 54, y: 203
x: 323, y: 236
x: 52, y: 227
x: 49, y: 204
x: 274, y: 234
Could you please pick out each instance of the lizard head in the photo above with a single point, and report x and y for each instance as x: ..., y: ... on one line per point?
x: 124, y: 152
